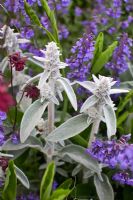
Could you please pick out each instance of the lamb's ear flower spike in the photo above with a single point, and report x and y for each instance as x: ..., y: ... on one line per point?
x: 101, y: 89
x: 50, y: 84
x: 52, y: 65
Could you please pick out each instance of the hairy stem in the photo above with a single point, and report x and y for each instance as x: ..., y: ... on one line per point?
x: 51, y: 108
x: 94, y: 131
x: 95, y: 126
x: 51, y: 116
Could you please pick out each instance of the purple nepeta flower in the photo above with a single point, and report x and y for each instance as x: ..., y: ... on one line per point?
x: 115, y: 154
x: 121, y: 55
x: 123, y: 178
x: 3, y: 117
x: 55, y: 185
x: 59, y: 5
x: 27, y: 33
x: 78, y: 11
x: 82, y: 55
x: 15, y: 138
x: 63, y: 32
x: 2, y: 137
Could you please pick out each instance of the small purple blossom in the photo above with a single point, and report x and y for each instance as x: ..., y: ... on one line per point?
x: 82, y: 55
x: 121, y: 55
x: 55, y: 185
x: 123, y: 178
x: 27, y: 33
x: 115, y: 154
x: 15, y: 138
x: 63, y: 32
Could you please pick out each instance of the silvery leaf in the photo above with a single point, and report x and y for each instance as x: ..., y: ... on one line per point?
x: 89, y: 103
x: 91, y: 86
x: 78, y: 154
x: 127, y: 85
x: 54, y: 100
x: 88, y: 174
x: 76, y: 170
x: 31, y: 142
x: 25, y: 101
x: 40, y: 59
x: 44, y: 76
x: 21, y: 41
x: 70, y: 128
x: 60, y: 94
x: 6, y: 155
x: 110, y: 120
x: 31, y: 80
x: 36, y: 62
x: 3, y: 64
x: 62, y: 172
x: 31, y: 118
x: 69, y: 91
x: 130, y: 66
x: 22, y: 177
x: 117, y: 91
x: 103, y: 188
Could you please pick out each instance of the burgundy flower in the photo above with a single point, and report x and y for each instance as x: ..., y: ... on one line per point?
x: 6, y: 99
x: 17, y: 61
x: 4, y: 163
x: 32, y: 92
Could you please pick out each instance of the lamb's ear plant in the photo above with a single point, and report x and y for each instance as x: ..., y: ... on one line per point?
x: 98, y: 107
x: 51, y: 85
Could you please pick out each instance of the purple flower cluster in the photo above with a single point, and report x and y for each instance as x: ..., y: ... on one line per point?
x: 121, y: 55
x: 115, y: 154
x: 63, y: 32
x: 27, y: 33
x: 123, y: 178
x: 31, y: 196
x: 59, y: 5
x: 115, y: 10
x: 82, y: 55
x: 31, y: 49
x: 2, y: 136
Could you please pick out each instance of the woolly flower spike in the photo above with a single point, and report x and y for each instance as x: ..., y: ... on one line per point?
x: 100, y: 102
x: 51, y: 59
x: 10, y: 40
x: 101, y: 90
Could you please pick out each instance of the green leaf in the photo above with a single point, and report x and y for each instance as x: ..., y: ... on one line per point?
x: 103, y: 58
x: 9, y: 191
x: 51, y: 16
x: 31, y: 118
x: 78, y: 154
x: 66, y: 184
x: 104, y: 188
x: 59, y: 194
x: 98, y: 46
x: 32, y: 15
x: 34, y: 18
x: 69, y: 129
x: 47, y: 182
x: 125, y: 101
x: 122, y: 118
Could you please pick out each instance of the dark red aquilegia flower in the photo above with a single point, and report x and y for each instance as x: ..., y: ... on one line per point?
x: 17, y: 61
x: 6, y: 99
x: 32, y: 92
x: 4, y: 163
